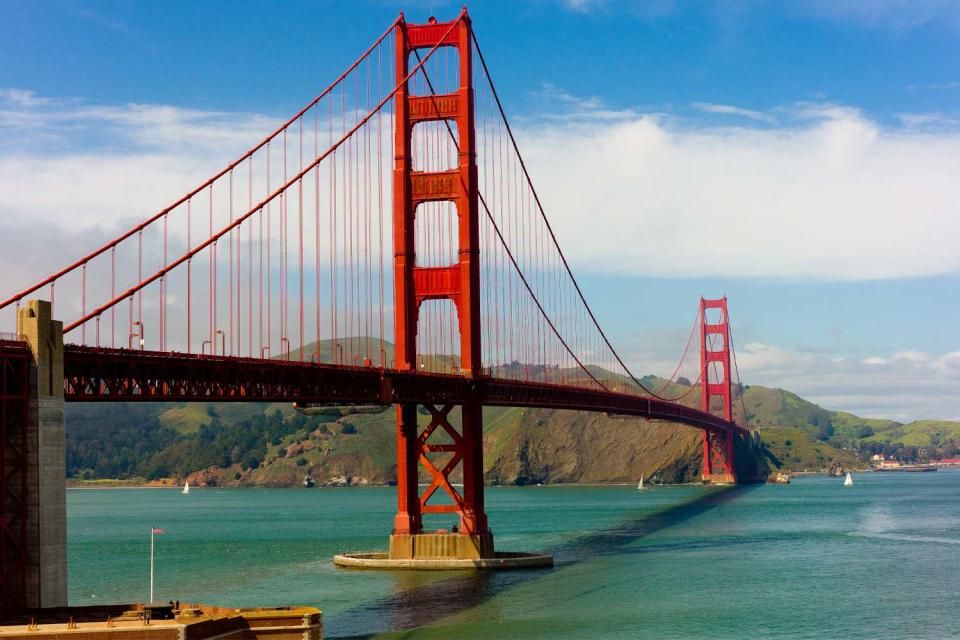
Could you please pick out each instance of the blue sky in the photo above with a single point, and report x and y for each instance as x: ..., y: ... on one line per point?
x: 884, y: 56
x: 736, y: 126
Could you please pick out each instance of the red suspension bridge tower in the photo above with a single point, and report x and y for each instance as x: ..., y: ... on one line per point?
x: 458, y: 283
x: 716, y: 381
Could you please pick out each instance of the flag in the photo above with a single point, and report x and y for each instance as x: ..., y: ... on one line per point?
x: 157, y: 531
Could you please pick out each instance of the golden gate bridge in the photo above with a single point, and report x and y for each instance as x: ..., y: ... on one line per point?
x: 385, y: 245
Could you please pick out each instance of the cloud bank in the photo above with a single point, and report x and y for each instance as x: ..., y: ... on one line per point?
x: 830, y: 195
x: 827, y: 194
x: 904, y: 386
x: 804, y: 192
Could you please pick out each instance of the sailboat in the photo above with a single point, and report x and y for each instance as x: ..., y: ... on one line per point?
x: 640, y: 486
x: 186, y: 488
x: 848, y: 480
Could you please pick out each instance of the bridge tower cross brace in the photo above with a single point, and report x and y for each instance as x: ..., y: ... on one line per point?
x: 715, y: 376
x: 459, y: 283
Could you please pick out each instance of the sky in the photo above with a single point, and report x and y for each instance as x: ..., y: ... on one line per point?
x: 801, y: 157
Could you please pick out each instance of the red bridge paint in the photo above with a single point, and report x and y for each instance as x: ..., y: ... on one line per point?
x: 459, y: 283
x: 716, y: 382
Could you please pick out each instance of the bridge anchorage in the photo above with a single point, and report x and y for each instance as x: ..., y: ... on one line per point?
x: 486, y: 311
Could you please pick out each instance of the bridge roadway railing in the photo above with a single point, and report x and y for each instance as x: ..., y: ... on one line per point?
x: 124, y: 375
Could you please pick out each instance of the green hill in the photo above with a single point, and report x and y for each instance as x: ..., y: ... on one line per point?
x: 794, y: 449
x: 848, y: 438
x: 270, y: 447
x: 922, y: 433
x: 850, y: 426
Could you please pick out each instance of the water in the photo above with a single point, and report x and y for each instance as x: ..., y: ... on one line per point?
x: 810, y: 560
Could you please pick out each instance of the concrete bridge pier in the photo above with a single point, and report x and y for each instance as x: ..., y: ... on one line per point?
x: 46, y: 513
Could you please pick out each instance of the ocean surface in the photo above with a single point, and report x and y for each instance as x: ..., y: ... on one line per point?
x: 812, y: 559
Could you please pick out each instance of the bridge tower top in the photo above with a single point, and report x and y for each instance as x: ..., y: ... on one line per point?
x: 460, y: 282
x: 715, y: 355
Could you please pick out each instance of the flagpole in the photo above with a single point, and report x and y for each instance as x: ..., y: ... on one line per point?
x: 152, y: 536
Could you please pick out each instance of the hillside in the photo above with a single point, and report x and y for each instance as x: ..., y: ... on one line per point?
x: 846, y: 435
x: 274, y: 445
x: 794, y: 449
x: 922, y: 433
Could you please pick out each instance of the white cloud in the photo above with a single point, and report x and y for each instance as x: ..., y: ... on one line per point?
x: 22, y: 98
x: 582, y: 6
x: 896, y: 14
x: 910, y: 358
x: 575, y: 108
x: 763, y: 357
x: 903, y: 386
x: 948, y: 363
x: 726, y: 109
x: 830, y: 195
x: 83, y: 191
x: 82, y: 166
x: 37, y: 123
x: 927, y: 120
x: 550, y: 91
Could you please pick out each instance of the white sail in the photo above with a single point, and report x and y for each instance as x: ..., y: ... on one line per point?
x: 186, y: 487
x: 848, y: 480
x: 640, y: 484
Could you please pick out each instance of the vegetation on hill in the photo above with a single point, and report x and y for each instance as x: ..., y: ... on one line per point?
x: 275, y: 448
x: 848, y: 435
x: 274, y: 445
x: 922, y: 433
x: 793, y: 449
x: 113, y: 440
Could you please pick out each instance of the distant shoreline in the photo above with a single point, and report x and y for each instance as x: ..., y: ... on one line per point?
x: 123, y: 484
x: 126, y: 484
x: 85, y: 486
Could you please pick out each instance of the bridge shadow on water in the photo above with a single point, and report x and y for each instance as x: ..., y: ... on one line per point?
x: 418, y: 602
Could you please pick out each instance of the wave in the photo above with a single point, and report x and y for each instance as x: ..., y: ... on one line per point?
x: 905, y: 538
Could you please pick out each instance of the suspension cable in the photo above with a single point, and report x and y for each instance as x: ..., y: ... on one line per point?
x: 230, y: 167
x: 743, y: 405
x: 506, y: 247
x: 553, y: 237
x: 293, y: 180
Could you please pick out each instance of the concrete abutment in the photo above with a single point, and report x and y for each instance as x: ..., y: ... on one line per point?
x: 46, y: 521
x: 459, y: 546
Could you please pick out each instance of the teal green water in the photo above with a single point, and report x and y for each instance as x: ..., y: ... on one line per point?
x: 810, y: 560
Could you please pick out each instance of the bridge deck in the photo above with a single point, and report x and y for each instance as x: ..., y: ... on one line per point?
x: 123, y: 375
